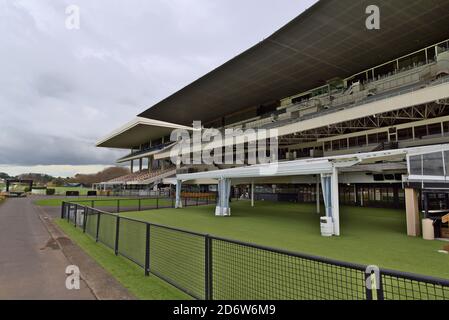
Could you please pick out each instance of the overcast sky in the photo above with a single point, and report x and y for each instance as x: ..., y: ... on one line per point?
x: 62, y: 90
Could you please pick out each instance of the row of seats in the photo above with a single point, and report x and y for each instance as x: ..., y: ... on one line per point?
x: 140, y: 176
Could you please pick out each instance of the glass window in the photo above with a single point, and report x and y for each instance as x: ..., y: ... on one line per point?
x: 434, y: 129
x: 372, y: 138
x: 377, y: 194
x: 415, y: 165
x: 361, y: 141
x: 382, y: 137
x: 405, y: 134
x: 343, y: 143
x: 433, y: 164
x: 420, y: 132
x: 352, y: 142
x: 336, y: 145
x: 446, y: 127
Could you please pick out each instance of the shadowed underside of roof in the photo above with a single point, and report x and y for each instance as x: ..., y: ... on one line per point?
x: 328, y: 40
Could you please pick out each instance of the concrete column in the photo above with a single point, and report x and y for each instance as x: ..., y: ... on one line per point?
x: 140, y: 164
x: 335, y: 202
x: 317, y: 194
x: 252, y: 193
x: 412, y: 212
x: 355, y: 194
x: 132, y: 166
x: 224, y: 189
x: 150, y: 163
x: 361, y: 197
x: 178, y: 203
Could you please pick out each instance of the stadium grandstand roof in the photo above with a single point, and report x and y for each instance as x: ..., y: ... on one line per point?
x: 137, y: 132
x: 328, y: 40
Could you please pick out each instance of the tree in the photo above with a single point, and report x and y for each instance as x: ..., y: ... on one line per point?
x: 102, y: 176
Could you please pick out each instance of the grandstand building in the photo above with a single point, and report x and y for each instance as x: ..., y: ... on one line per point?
x: 361, y: 116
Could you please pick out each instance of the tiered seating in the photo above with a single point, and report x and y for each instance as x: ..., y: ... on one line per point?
x: 123, y: 179
x: 141, y: 176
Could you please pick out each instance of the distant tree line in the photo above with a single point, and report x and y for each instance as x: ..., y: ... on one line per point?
x: 84, y: 179
x: 104, y: 175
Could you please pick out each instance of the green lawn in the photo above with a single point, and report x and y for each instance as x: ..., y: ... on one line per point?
x: 368, y: 235
x: 102, y: 202
x: 125, y: 271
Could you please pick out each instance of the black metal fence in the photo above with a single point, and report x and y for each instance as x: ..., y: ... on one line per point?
x: 142, y: 204
x: 209, y: 267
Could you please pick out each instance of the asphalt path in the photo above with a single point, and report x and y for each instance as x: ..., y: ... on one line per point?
x: 32, y: 265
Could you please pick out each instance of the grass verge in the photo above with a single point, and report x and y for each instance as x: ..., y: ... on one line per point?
x: 103, y: 202
x: 126, y: 272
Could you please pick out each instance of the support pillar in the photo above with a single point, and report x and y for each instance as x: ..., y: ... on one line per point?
x: 224, y: 189
x: 140, y: 164
x: 317, y: 194
x: 412, y: 212
x: 252, y: 193
x: 178, y: 203
x: 329, y: 183
x: 150, y: 164
x: 335, y: 202
x: 132, y: 166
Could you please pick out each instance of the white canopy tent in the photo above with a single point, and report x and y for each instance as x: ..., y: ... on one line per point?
x: 327, y: 168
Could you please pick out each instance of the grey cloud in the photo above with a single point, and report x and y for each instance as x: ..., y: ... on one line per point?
x: 62, y: 90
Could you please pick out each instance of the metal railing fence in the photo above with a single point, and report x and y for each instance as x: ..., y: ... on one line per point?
x: 210, y: 267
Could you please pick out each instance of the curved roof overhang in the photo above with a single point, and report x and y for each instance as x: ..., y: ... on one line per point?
x: 326, y: 41
x: 138, y: 131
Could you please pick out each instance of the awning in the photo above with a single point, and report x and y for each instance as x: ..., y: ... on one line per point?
x: 323, y: 165
x: 137, y: 132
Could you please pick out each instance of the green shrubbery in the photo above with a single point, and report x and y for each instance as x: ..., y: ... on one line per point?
x: 50, y: 192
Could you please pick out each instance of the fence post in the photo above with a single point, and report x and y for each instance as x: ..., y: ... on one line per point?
x: 140, y: 204
x: 86, y: 213
x: 75, y: 215
x: 368, y: 289
x: 208, y: 268
x: 197, y: 201
x: 380, y: 290
x: 157, y: 202
x: 62, y: 209
x: 185, y: 202
x: 147, y: 251
x: 117, y: 232
x: 98, y: 226
x: 118, y: 205
x: 68, y: 213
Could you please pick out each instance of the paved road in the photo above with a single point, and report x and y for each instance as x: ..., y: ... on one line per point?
x: 32, y: 266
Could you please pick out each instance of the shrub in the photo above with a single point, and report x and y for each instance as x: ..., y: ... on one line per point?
x: 50, y: 192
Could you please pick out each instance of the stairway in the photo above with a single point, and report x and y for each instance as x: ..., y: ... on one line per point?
x: 387, y: 146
